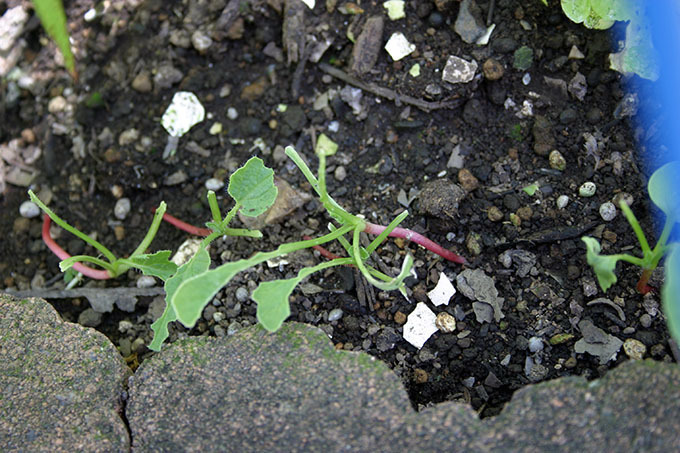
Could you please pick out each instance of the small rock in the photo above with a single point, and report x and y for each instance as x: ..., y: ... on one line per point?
x: 232, y: 113
x: 504, y: 45
x: 544, y: 141
x: 523, y: 58
x: 494, y: 214
x: 420, y: 376
x: 201, y: 41
x: 575, y: 54
x: 166, y: 76
x: 607, y: 211
x: 29, y: 210
x: 176, y: 178
x: 142, y: 82
x: 214, y: 184
x: 469, y: 24
x: 578, y: 86
x: 367, y: 46
x: 180, y: 38
x: 128, y: 137
x: 535, y: 344
x: 399, y: 318
x: 492, y: 69
x: 634, y: 349
x: 440, y: 198
x: 242, y: 294
x: 57, y: 104
x: 445, y: 322
x: 146, y: 281
x: 587, y: 189
x: 122, y: 208
x: 340, y: 173
x: 458, y: 70
x: 467, y: 180
x: 398, y: 46
x: 335, y: 314
x: 557, y: 160
x: 562, y: 201
x: 568, y: 116
x: 89, y: 318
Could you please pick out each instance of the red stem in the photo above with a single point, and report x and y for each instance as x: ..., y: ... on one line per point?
x: 371, y: 228
x: 96, y: 274
x: 410, y: 235
x: 642, y: 286
x: 196, y: 231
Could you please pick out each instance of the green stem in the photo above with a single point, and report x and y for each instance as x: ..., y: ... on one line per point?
x: 62, y: 223
x: 390, y: 285
x: 382, y: 236
x: 214, y: 207
x: 70, y: 261
x: 230, y: 215
x: 660, y: 247
x: 153, y: 229
x: 646, y: 251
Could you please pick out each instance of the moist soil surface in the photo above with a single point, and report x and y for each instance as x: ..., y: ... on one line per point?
x: 101, y: 139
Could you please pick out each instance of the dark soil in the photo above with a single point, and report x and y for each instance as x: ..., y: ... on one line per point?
x: 392, y: 147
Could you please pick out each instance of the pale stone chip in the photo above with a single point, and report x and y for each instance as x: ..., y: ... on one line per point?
x: 398, y: 46
x: 182, y: 114
x: 420, y: 326
x: 442, y: 293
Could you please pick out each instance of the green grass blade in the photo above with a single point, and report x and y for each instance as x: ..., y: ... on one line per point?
x: 53, y: 18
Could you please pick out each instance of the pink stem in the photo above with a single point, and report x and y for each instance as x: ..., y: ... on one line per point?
x: 196, y: 231
x: 96, y: 274
x: 418, y: 238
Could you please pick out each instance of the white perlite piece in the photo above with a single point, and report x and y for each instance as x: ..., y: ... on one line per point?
x: 442, y: 293
x: 458, y: 70
x: 182, y: 114
x: 420, y: 326
x: 395, y: 9
x: 398, y: 46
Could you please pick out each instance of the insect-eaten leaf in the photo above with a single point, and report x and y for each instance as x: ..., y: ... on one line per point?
x: 603, y: 265
x: 252, y: 186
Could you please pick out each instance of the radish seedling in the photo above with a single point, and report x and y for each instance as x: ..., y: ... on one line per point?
x: 662, y: 190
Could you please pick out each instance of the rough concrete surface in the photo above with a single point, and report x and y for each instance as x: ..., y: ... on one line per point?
x: 292, y: 391
x: 62, y: 384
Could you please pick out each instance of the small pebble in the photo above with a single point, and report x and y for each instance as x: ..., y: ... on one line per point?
x: 634, y: 349
x: 232, y: 113
x: 233, y: 328
x: 29, y: 210
x: 399, y: 317
x: 494, y: 214
x: 535, y: 344
x: 334, y: 315
x: 420, y: 376
x: 587, y: 189
x: 557, y: 160
x: 89, y: 318
x: 607, y: 211
x: 445, y: 322
x: 340, y: 173
x: 117, y: 191
x: 493, y: 69
x: 214, y: 184
x: 467, y: 180
x: 218, y: 316
x: 122, y: 208
x: 242, y: 294
x: 146, y: 281
x: 562, y: 201
x: 645, y: 321
x: 57, y: 104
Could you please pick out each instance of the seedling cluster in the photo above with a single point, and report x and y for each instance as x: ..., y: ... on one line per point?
x: 662, y: 190
x: 191, y: 286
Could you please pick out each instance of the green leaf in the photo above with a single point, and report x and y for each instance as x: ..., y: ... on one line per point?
x: 272, y: 302
x: 272, y: 297
x: 670, y: 293
x: 252, y: 186
x: 158, y: 264
x: 530, y: 189
x: 325, y: 146
x: 53, y: 19
x: 198, y: 264
x: 613, y: 9
x: 663, y: 189
x: 576, y: 10
x: 603, y: 265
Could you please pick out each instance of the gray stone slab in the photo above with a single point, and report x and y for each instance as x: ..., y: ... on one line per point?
x: 292, y: 391
x: 62, y: 384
